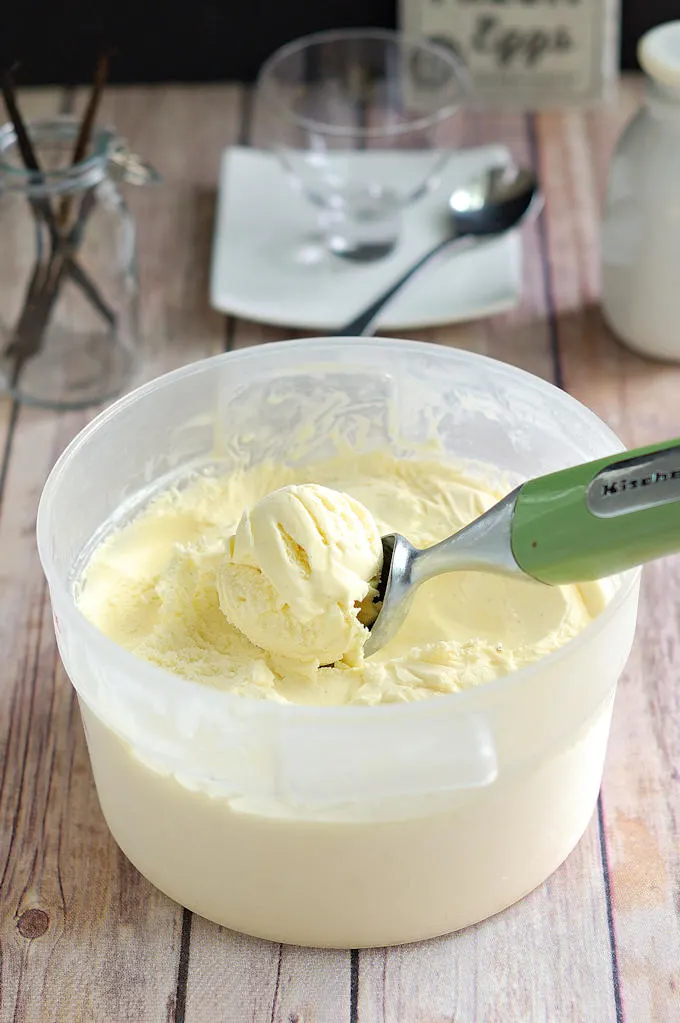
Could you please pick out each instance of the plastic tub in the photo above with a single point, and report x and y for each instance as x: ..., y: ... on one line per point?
x: 342, y: 827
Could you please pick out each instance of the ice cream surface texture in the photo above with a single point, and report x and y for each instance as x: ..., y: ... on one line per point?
x: 297, y: 570
x: 249, y: 582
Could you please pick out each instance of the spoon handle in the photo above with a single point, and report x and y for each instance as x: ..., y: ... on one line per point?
x: 363, y: 325
x: 600, y: 518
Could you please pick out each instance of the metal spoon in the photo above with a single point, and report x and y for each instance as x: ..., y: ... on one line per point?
x: 587, y: 522
x: 491, y: 204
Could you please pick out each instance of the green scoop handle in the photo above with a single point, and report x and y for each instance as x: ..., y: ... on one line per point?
x: 600, y: 518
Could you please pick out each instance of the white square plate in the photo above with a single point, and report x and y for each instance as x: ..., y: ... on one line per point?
x: 269, y: 264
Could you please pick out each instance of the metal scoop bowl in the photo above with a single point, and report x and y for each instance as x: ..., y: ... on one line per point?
x: 575, y: 525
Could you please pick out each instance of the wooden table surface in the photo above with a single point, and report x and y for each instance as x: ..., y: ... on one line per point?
x: 83, y: 936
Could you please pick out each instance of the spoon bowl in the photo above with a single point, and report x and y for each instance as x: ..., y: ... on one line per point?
x: 492, y: 203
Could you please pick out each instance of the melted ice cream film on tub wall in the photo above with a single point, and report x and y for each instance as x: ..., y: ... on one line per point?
x: 299, y: 565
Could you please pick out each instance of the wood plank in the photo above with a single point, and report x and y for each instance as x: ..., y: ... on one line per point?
x: 182, y: 130
x: 605, y: 123
x: 547, y: 958
x: 641, y: 789
x: 544, y: 959
x: 231, y: 976
x: 521, y: 336
x: 84, y: 936
x: 34, y: 103
x: 247, y: 333
x: 234, y: 977
x: 13, y: 946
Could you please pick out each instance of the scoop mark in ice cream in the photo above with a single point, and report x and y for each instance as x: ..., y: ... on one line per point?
x: 298, y: 555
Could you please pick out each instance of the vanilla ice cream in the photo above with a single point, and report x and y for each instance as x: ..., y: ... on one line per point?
x: 297, y: 569
x: 250, y: 583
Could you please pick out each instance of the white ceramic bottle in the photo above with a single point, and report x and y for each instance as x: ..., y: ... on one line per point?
x: 641, y: 229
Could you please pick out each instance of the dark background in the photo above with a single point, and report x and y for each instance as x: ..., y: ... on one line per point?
x: 202, y: 40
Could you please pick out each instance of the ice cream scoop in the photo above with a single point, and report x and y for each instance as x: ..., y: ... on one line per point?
x: 579, y: 524
x: 299, y: 565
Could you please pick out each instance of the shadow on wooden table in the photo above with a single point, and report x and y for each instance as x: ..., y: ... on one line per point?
x: 636, y: 395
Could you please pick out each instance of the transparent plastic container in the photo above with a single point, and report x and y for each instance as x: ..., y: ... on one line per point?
x: 342, y: 827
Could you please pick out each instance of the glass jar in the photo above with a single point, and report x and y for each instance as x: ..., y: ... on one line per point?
x: 69, y: 331
x: 641, y: 228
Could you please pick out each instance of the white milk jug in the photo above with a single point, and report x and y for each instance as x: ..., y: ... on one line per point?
x: 641, y: 229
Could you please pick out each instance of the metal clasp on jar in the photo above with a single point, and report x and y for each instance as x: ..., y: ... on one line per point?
x: 124, y: 165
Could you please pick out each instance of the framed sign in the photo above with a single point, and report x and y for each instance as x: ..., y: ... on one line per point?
x: 526, y: 53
